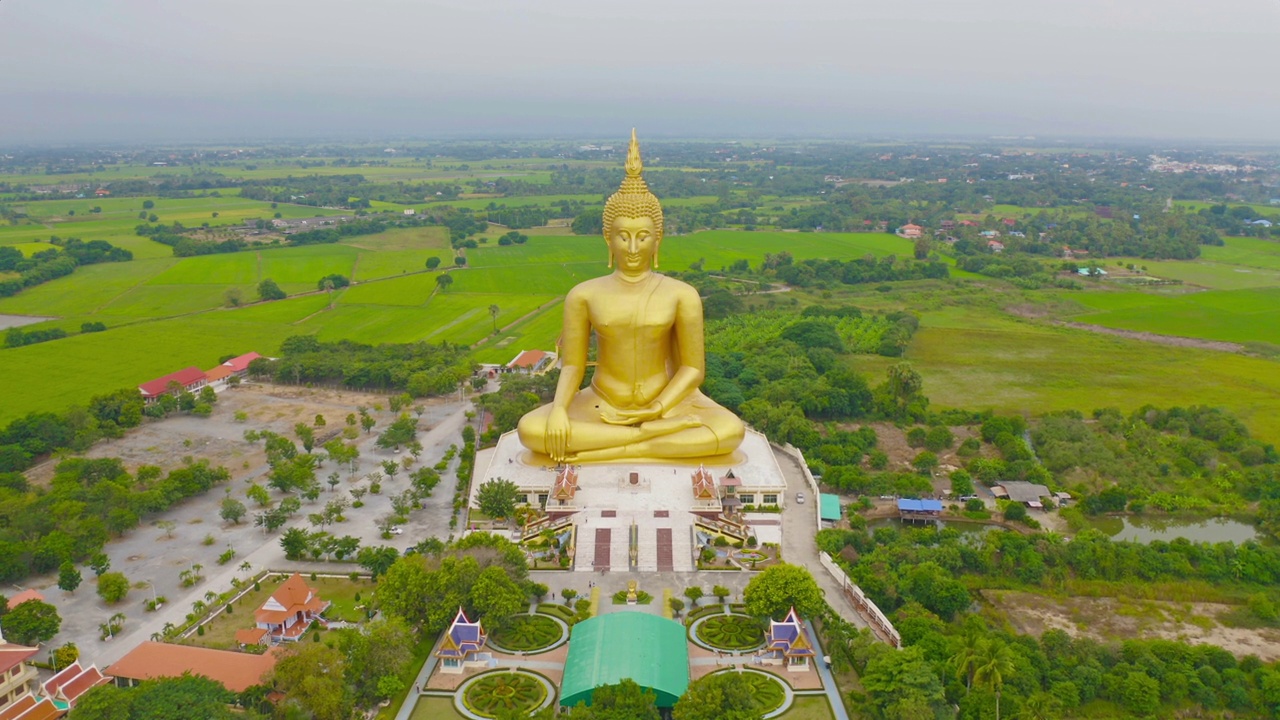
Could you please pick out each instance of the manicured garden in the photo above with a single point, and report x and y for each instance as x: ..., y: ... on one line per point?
x: 527, y: 633
x: 505, y: 693
x: 731, y: 632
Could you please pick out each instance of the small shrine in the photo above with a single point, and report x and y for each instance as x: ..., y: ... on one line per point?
x: 564, y: 489
x: 287, y: 614
x: 785, y: 644
x: 462, y: 644
x: 706, y: 496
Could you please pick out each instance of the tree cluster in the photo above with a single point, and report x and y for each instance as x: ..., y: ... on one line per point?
x: 89, y: 501
x: 419, y: 369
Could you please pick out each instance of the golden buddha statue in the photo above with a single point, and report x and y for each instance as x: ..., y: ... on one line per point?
x: 643, y: 402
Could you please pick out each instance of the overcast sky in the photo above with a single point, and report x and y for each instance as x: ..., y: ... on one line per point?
x: 139, y: 70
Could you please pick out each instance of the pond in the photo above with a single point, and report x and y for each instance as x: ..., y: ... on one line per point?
x: 1147, y: 529
x: 12, y: 321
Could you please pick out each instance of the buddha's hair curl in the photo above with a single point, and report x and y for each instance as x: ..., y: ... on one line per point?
x: 630, y: 203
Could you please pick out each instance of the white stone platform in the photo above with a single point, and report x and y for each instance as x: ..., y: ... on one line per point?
x: 606, y: 498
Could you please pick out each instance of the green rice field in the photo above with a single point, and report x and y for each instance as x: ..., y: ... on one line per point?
x: 164, y: 313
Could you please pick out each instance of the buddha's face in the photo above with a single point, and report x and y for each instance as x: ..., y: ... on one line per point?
x: 633, y: 243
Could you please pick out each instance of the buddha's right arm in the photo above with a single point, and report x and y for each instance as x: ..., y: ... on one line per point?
x: 573, y: 348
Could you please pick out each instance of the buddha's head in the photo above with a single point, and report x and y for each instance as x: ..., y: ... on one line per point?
x: 633, y: 219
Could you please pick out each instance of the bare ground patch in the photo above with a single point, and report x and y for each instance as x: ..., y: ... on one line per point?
x: 1113, y: 619
x: 220, y: 438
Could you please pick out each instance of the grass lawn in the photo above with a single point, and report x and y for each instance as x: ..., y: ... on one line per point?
x: 809, y: 707
x: 433, y: 708
x: 220, y: 632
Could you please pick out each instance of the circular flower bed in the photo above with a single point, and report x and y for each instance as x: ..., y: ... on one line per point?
x: 504, y: 692
x: 731, y: 632
x: 527, y: 633
x: 767, y: 690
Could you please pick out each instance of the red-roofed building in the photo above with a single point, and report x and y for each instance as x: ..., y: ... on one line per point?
x: 910, y: 230
x: 290, y: 609
x: 235, y: 670
x: 532, y: 362
x: 190, y: 379
x: 1009, y: 221
x: 24, y: 596
x: 65, y: 687
x: 28, y: 707
x: 16, y: 677
x: 217, y: 377
x: 240, y: 365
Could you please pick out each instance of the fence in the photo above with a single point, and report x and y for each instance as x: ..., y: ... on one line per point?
x: 879, y: 624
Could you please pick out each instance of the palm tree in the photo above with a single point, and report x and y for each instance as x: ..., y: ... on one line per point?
x: 493, y: 312
x: 995, y: 663
x: 965, y: 661
x: 1041, y: 706
x: 246, y: 566
x: 327, y: 286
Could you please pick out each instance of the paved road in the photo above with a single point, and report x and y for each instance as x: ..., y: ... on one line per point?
x: 147, y: 555
x: 799, y: 523
x: 828, y: 682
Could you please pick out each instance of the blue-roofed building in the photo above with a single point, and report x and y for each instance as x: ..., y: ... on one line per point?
x: 785, y: 644
x: 462, y: 644
x: 919, y: 509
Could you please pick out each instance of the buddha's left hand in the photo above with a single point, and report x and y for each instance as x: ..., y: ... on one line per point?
x: 633, y: 417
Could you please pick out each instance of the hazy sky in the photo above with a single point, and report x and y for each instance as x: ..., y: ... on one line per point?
x: 138, y: 70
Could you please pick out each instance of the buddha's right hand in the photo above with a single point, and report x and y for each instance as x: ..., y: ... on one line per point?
x: 558, y: 434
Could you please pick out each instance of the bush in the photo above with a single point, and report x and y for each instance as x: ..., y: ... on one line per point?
x: 1015, y: 512
x: 938, y: 439
x: 916, y: 437
x: 113, y: 587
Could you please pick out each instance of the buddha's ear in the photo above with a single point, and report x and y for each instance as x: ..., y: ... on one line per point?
x: 608, y: 247
x: 656, y: 247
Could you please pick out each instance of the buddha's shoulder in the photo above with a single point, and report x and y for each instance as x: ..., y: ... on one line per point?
x: 606, y: 285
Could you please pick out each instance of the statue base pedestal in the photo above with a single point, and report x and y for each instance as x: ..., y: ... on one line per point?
x: 655, y: 497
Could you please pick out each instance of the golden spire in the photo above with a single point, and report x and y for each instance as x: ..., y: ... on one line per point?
x: 634, y: 166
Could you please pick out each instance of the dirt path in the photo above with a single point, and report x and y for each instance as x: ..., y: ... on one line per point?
x: 1173, y: 340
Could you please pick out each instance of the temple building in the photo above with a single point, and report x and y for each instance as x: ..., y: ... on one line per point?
x: 285, y: 615
x: 462, y: 644
x: 785, y: 644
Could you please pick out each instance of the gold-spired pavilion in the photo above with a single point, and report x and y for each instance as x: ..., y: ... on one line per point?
x: 641, y: 463
x: 643, y: 402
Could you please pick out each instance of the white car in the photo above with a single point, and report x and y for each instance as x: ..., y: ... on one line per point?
x: 800, y: 498
x: 396, y: 531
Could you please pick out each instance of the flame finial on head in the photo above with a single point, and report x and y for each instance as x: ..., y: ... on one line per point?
x: 633, y: 199
x: 634, y: 166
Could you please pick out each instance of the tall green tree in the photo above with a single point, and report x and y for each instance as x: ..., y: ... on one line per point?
x: 781, y: 587
x: 312, y: 677
x: 497, y: 498
x: 32, y: 622
x: 69, y: 577
x: 269, y: 290
x: 995, y: 664
x: 722, y: 696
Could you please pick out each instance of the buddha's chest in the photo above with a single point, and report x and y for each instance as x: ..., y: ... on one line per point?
x: 645, y: 316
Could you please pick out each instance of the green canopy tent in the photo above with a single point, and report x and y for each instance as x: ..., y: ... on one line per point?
x: 829, y: 507
x: 604, y: 650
